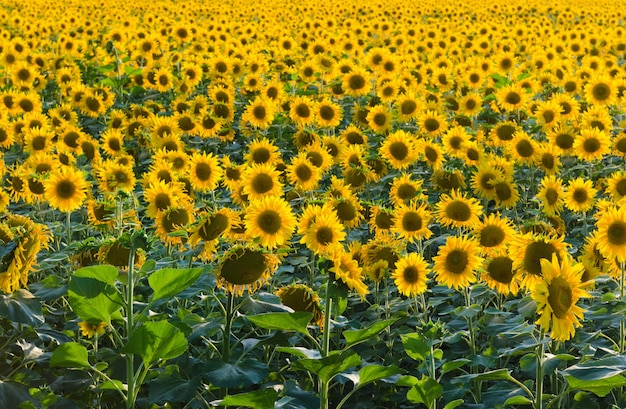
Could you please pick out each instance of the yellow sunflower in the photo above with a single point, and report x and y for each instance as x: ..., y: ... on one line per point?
x: 411, y: 275
x: 347, y: 270
x: 432, y: 152
x: 260, y: 113
x: 600, y: 90
x: 301, y: 111
x: 551, y: 194
x: 411, y: 222
x: 328, y: 114
x: 432, y: 122
x: 92, y: 330
x: 271, y: 220
x: 205, y: 172
x: 173, y: 219
x: 592, y: 144
x: 324, y: 232
x: 159, y: 195
x: 66, y: 189
x: 357, y: 82
x: 527, y: 251
x: 303, y: 174
x: 457, y: 262
x: 611, y: 233
x: 580, y: 195
x: 556, y: 295
x: 399, y: 149
x: 262, y: 151
x: 379, y: 119
x: 512, y: 97
x: 457, y: 211
x: 499, y: 275
x: 261, y: 180
x: 493, y: 233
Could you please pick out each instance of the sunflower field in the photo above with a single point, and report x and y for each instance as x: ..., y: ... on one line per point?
x: 338, y: 204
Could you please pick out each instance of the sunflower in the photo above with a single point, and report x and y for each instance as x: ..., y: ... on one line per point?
x: 261, y: 180
x: 548, y: 158
x: 352, y: 135
x: 493, y: 233
x: 381, y: 219
x: 527, y: 251
x: 349, y: 210
x: 580, y: 195
x: 21, y: 239
x: 471, y: 105
x: 457, y: 211
x: 523, y: 148
x: 347, y: 270
x: 173, y: 219
x: 92, y: 330
x: 408, y: 107
x: 556, y: 295
x: 260, y: 113
x: 300, y: 297
x: 600, y: 90
x: 270, y: 219
x: 66, y: 189
x: 114, y: 177
x: 204, y: 171
x: 616, y: 186
x: 502, y: 134
x: 399, y: 149
x: 319, y: 157
x: 411, y: 222
x: 597, y: 116
x: 262, y: 151
x: 404, y: 189
x: 245, y: 267
x: 592, y: 144
x: 323, y: 233
x: 457, y: 262
x: 512, y: 97
x: 551, y: 194
x: 301, y: 111
x: 432, y: 152
x: 303, y: 174
x: 562, y: 137
x: 548, y: 114
x: 499, y: 275
x: 454, y: 141
x: 38, y: 140
x: 379, y: 119
x: 328, y: 114
x: 611, y: 233
x: 356, y: 83
x: 160, y: 195
x: 411, y: 275
x: 506, y: 193
x: 432, y: 122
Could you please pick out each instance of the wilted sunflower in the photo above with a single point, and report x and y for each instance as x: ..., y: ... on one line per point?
x: 300, y: 297
x: 271, y: 220
x: 411, y: 274
x: 20, y: 239
x: 66, y: 189
x: 380, y: 254
x: 209, y: 228
x: 611, y: 233
x: 399, y: 149
x: 580, y: 195
x: 556, y: 295
x: 457, y: 262
x: 245, y: 267
x: 551, y: 194
x: 411, y: 222
x: 457, y: 211
x: 348, y: 210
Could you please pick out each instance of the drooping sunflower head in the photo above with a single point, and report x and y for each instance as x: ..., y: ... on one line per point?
x: 245, y: 267
x: 300, y: 297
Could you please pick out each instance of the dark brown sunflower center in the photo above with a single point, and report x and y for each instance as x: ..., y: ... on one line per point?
x: 492, y: 236
x: 65, y: 189
x: 399, y: 150
x: 380, y: 119
x: 591, y: 145
x: 203, y: 171
x: 259, y: 112
x: 303, y: 172
x: 345, y: 211
x: 326, y: 112
x: 244, y: 268
x: 505, y: 132
x: 302, y: 110
x: 411, y: 274
x: 560, y: 297
x: 162, y: 201
x: 547, y: 160
x: 524, y: 148
x: 552, y: 196
x: 456, y: 261
x: 383, y: 220
x: 620, y: 187
x: 411, y: 221
x: 564, y: 141
x: 601, y: 92
x: 262, y: 183
x: 39, y: 143
x: 503, y: 191
x: 580, y: 195
x: 501, y: 269
x: 269, y: 221
x: 620, y: 145
x: 261, y: 155
x: 356, y: 82
x: 213, y: 227
x: 535, y: 251
x: 406, y: 191
x: 35, y: 186
x: 616, y: 233
x: 175, y: 219
x: 431, y: 124
x: 324, y: 235
x: 459, y: 211
x: 431, y: 154
x: 408, y: 107
x: 513, y: 98
x: 92, y: 104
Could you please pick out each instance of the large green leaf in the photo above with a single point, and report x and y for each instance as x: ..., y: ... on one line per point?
x: 600, y: 387
x: 168, y: 282
x: 598, y: 369
x: 242, y: 374
x: 260, y: 399
x: 172, y: 388
x: 12, y: 394
x: 94, y: 300
x: 373, y: 373
x: 356, y: 336
x: 283, y: 321
x: 495, y: 375
x: 416, y: 346
x: 156, y: 340
x: 329, y: 367
x: 105, y: 273
x: 70, y: 355
x: 426, y: 391
x: 21, y: 306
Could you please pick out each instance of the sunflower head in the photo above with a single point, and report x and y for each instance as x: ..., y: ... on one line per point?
x: 300, y: 297
x: 245, y: 267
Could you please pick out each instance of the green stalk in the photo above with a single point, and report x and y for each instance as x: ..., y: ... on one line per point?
x: 539, y: 382
x: 130, y: 324
x: 68, y: 227
x: 323, y: 385
x: 230, y: 305
x: 621, y: 297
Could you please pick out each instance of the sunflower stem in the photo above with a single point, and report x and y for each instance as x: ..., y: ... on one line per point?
x: 227, y: 327
x: 323, y: 385
x: 621, y: 297
x: 539, y: 382
x: 68, y: 227
x: 130, y: 323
